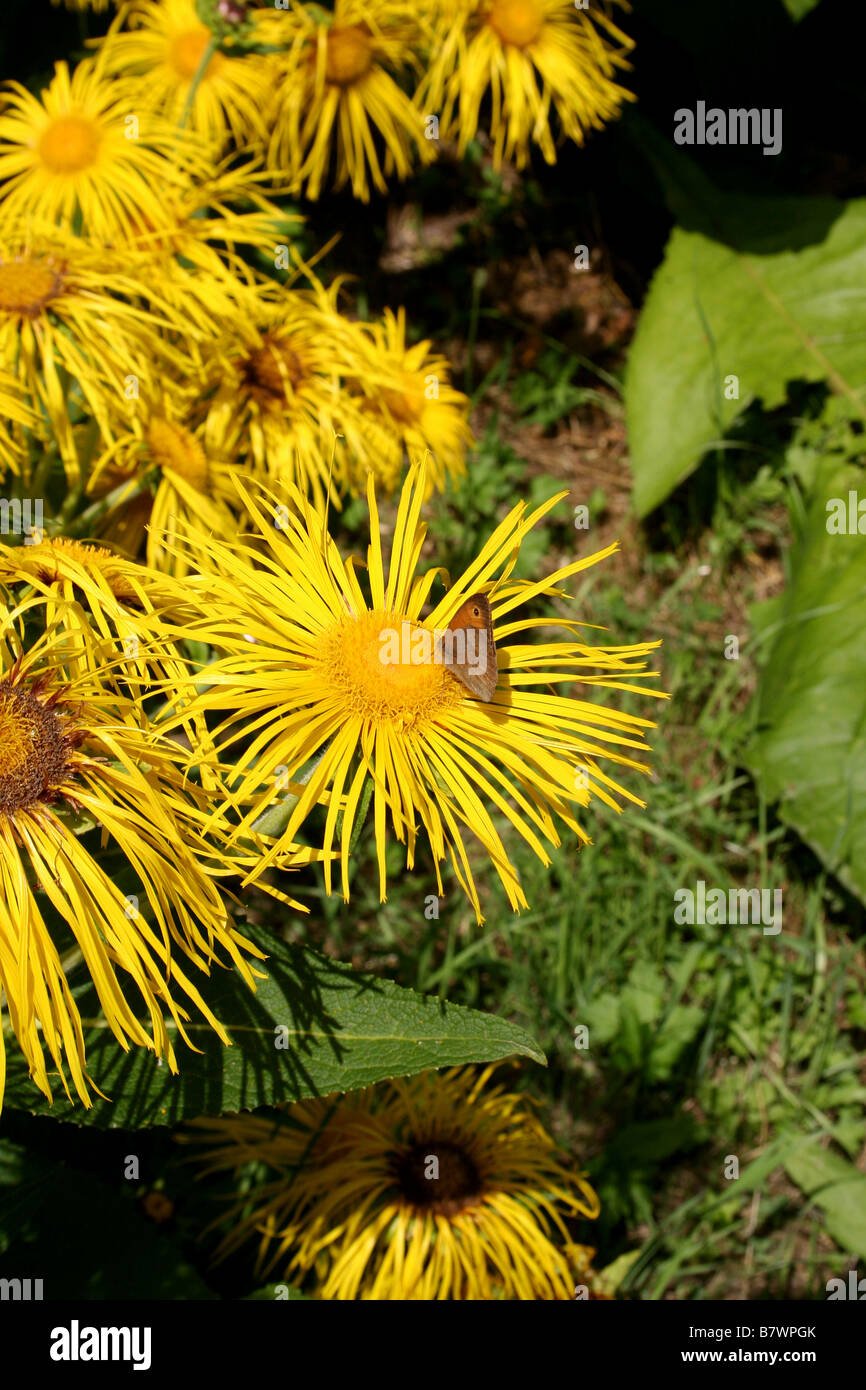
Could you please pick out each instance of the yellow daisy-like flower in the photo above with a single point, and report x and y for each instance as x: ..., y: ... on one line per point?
x: 279, y: 400
x: 438, y: 1187
x: 336, y: 80
x: 407, y: 390
x: 530, y: 56
x: 324, y: 688
x: 70, y: 747
x: 155, y: 50
x: 195, y: 482
x: 79, y: 330
x: 103, y: 602
x: 81, y: 151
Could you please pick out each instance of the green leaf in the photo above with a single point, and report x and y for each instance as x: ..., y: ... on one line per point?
x: 673, y: 1039
x: 767, y: 290
x: 344, y: 1030
x: 798, y: 9
x: 838, y: 1188
x: 809, y: 744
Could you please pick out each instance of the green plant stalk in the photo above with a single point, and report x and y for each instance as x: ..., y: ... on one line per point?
x: 83, y: 524
x: 200, y: 71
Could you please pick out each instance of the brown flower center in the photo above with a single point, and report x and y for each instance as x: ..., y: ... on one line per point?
x: 438, y: 1175
x: 175, y: 448
x: 27, y: 286
x: 33, y: 748
x: 275, y: 368
x: 349, y: 55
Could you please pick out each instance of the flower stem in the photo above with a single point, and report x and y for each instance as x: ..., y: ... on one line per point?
x: 197, y: 77
x: 124, y: 492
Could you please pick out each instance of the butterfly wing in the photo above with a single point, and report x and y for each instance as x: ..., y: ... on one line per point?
x: 479, y: 671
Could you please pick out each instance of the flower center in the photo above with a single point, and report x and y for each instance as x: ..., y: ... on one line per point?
x: 349, y: 55
x: 187, y: 50
x: 406, y: 406
x: 69, y: 144
x: 437, y: 1175
x: 174, y: 448
x: 384, y: 667
x: 33, y: 749
x: 518, y: 22
x: 26, y: 287
x: 276, y: 369
x: 52, y: 560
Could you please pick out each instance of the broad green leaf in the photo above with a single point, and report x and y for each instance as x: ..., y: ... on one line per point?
x: 764, y: 290
x: 344, y: 1030
x: 809, y: 745
x: 838, y: 1188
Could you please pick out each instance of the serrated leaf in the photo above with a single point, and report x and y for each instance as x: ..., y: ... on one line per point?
x: 809, y: 745
x: 344, y: 1031
x: 767, y: 290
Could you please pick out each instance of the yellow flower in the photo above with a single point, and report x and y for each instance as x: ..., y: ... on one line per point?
x: 438, y: 1187
x: 408, y: 392
x: 336, y: 83
x: 529, y: 55
x: 195, y: 482
x: 155, y: 51
x: 79, y: 330
x: 323, y: 690
x: 84, y: 4
x: 83, y: 152
x: 279, y: 398
x: 72, y: 749
x: 103, y: 604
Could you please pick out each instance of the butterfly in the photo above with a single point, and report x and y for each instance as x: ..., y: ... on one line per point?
x: 473, y: 659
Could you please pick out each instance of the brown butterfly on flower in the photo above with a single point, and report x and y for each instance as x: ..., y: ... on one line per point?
x: 472, y: 660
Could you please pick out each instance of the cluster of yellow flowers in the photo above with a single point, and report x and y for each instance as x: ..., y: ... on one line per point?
x: 139, y: 345
x: 379, y: 84
x: 177, y: 384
